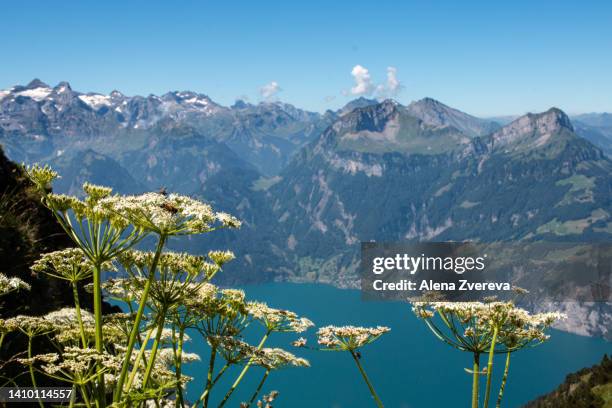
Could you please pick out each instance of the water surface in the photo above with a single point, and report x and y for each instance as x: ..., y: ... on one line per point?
x: 409, y: 367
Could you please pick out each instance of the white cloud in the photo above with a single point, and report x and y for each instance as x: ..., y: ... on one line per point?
x: 363, y: 81
x: 269, y: 91
x: 365, y: 86
x: 393, y: 84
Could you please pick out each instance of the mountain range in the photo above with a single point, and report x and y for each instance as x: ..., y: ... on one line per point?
x: 311, y: 186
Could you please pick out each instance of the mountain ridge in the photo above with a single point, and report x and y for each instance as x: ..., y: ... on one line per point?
x: 435, y: 112
x: 310, y: 187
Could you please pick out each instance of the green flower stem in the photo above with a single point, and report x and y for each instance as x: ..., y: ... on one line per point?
x: 85, y: 398
x: 140, y: 356
x: 179, y: 363
x: 2, y: 339
x: 32, y: 376
x: 156, y: 342
x: 77, y: 307
x: 99, y: 339
x: 475, y: 379
x: 244, y: 370
x: 72, y: 396
x: 490, y: 367
x: 256, y: 393
x: 379, y: 403
x: 503, y: 383
x: 139, y: 313
x: 211, y: 368
x: 206, y: 392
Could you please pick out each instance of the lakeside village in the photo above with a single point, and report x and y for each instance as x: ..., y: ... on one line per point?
x: 429, y: 285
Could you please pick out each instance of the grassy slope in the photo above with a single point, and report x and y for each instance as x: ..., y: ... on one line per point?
x: 587, y: 388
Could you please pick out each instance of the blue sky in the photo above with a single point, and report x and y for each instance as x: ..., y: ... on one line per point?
x: 486, y: 58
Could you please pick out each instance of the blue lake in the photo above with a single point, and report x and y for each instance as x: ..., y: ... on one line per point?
x: 409, y: 367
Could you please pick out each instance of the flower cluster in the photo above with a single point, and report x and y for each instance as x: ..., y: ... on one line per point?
x: 7, y: 326
x: 41, y: 176
x: 67, y: 317
x: 167, y: 215
x: 277, y: 320
x: 221, y: 257
x: 47, y: 358
x: 348, y: 338
x: 84, y: 210
x: 8, y: 285
x: 232, y: 349
x: 300, y: 342
x: 32, y: 326
x: 167, y: 356
x: 69, y: 264
x: 218, y: 312
x: 471, y: 323
x: 181, y: 265
x: 265, y: 401
x: 95, y: 193
x: 125, y: 289
x: 80, y: 365
x: 276, y: 358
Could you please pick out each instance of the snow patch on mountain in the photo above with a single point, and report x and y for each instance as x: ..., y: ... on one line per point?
x: 96, y: 101
x: 5, y: 93
x: 38, y: 94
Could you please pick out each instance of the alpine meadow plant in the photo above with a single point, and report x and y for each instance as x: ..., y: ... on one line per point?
x: 485, y: 328
x: 136, y: 358
x: 351, y: 339
x: 8, y: 285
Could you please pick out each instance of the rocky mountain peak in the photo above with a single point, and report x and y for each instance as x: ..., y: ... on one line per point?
x: 535, y: 129
x: 381, y: 108
x: 36, y: 83
x: 240, y: 104
x: 553, y: 119
x: 427, y: 101
x: 360, y: 102
x: 371, y: 117
x: 62, y: 88
x: 434, y: 112
x: 430, y: 106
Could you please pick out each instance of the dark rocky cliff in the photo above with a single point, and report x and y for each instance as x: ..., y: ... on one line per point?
x: 27, y: 229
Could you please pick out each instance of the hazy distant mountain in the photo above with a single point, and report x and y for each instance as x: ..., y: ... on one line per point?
x: 597, y: 128
x: 595, y: 119
x: 89, y: 166
x: 42, y: 118
x: 502, y: 120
